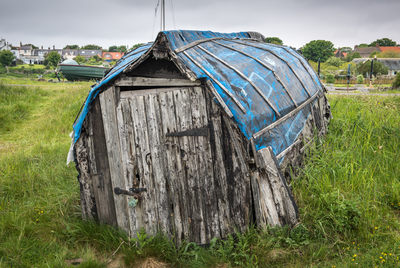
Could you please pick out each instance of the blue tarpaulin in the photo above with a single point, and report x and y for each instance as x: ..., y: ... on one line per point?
x: 258, y: 82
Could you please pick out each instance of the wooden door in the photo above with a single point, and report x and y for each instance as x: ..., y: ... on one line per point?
x: 165, y: 148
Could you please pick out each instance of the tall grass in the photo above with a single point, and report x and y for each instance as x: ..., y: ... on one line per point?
x: 348, y: 193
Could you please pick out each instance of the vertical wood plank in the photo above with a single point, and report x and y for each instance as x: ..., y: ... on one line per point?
x: 101, y: 179
x: 147, y: 204
x: 174, y: 167
x: 157, y: 156
x: 108, y: 102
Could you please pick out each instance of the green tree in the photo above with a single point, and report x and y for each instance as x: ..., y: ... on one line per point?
x: 396, y: 82
x: 71, y: 47
x: 383, y: 42
x: 117, y: 49
x: 274, y: 40
x: 113, y: 49
x: 333, y: 61
x: 135, y: 46
x: 52, y: 59
x: 6, y: 58
x: 91, y: 46
x: 364, y: 68
x: 351, y: 56
x: 362, y: 45
x: 318, y: 49
x: 346, y: 49
x: 80, y: 59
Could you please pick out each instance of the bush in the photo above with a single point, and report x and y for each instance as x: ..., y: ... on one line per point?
x: 396, y: 82
x: 360, y: 79
x: 333, y: 61
x: 330, y: 78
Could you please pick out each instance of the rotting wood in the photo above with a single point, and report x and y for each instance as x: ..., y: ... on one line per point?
x: 281, y: 194
x: 101, y: 179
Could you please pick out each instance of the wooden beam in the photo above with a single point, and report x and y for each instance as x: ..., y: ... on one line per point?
x: 155, y: 82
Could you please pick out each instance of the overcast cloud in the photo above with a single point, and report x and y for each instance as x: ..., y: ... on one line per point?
x: 126, y: 22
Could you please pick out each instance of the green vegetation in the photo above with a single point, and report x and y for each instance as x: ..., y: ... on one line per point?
x: 318, y: 50
x: 71, y: 47
x: 396, y: 82
x: 6, y: 58
x: 360, y: 79
x: 383, y: 42
x: 388, y: 54
x: 117, y: 49
x: 91, y: 46
x: 274, y: 40
x: 364, y: 68
x: 52, y: 59
x: 348, y: 193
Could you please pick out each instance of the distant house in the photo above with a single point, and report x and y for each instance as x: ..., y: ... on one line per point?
x: 88, y: 53
x: 110, y: 56
x: 366, y: 51
x: 393, y: 64
x: 393, y: 49
x: 340, y: 54
x: 4, y: 45
x: 69, y: 54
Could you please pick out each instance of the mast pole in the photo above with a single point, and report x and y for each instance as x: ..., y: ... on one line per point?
x: 163, y: 15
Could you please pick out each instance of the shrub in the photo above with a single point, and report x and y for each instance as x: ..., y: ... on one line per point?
x: 360, y: 79
x: 330, y: 78
x: 333, y: 61
x: 396, y: 82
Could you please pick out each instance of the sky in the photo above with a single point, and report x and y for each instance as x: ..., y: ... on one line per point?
x: 127, y: 22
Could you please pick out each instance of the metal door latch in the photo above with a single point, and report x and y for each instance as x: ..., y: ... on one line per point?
x: 131, y: 191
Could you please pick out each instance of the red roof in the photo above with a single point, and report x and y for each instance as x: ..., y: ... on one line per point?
x: 112, y: 55
x: 395, y: 49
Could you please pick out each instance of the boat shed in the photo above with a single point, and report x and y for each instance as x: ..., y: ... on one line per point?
x: 192, y: 135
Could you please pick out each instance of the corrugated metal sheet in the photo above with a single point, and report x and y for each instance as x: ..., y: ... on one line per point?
x: 259, y: 82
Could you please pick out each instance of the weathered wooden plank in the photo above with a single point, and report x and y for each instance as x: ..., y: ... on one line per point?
x: 238, y: 176
x: 155, y: 82
x: 148, y: 202
x: 220, y: 175
x: 108, y: 110
x: 281, y: 194
x: 264, y: 205
x: 157, y: 157
x: 128, y: 160
x: 101, y: 179
x: 188, y: 158
x: 88, y: 204
x: 174, y: 166
x: 204, y: 170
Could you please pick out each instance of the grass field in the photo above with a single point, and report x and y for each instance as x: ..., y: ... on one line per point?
x: 348, y: 194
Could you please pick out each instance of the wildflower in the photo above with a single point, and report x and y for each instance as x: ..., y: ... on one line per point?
x: 41, y: 212
x: 355, y: 255
x: 352, y: 259
x: 376, y: 228
x: 380, y: 257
